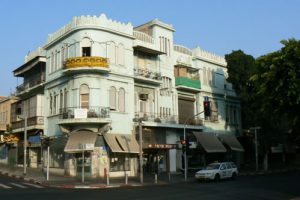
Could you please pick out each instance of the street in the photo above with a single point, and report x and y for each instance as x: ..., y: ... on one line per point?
x: 275, y: 186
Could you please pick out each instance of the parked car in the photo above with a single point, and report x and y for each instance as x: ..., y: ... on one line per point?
x: 217, y: 171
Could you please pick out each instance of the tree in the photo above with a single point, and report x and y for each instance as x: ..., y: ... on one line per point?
x: 277, y: 84
x: 240, y: 68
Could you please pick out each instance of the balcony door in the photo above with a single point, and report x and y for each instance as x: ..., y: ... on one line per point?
x: 185, y: 109
x: 84, y: 96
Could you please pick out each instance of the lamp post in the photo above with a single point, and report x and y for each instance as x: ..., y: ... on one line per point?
x: 141, y: 151
x: 184, y: 137
x: 256, y: 150
x: 141, y: 161
x: 25, y: 146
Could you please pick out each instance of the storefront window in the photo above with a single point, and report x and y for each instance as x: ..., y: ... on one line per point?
x: 119, y: 162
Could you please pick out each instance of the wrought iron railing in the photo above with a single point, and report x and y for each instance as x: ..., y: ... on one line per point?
x: 157, y: 117
x: 31, y: 121
x: 86, y: 112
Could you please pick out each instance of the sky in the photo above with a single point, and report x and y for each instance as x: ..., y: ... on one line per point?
x: 218, y: 26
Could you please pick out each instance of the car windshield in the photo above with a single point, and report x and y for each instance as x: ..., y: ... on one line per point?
x: 212, y: 166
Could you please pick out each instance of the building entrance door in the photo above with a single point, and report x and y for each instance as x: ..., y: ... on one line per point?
x: 86, y: 163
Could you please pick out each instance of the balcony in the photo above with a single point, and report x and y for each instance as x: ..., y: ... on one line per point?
x: 36, y: 122
x: 30, y: 85
x: 90, y: 63
x: 188, y: 84
x: 145, y: 43
x: 157, y: 118
x: 147, y: 76
x: 75, y: 115
x: 197, y: 121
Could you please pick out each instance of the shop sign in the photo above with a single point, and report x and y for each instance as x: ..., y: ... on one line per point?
x: 80, y: 113
x: 162, y: 146
x: 9, y: 138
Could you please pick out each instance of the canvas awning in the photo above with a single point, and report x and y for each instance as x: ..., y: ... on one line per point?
x: 209, y: 142
x: 122, y: 143
x: 232, y: 142
x: 81, y: 141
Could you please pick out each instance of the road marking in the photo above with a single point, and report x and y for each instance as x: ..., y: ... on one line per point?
x: 18, y: 185
x: 4, y: 186
x: 33, y: 185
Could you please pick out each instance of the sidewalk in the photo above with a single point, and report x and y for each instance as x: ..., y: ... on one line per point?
x: 37, y: 176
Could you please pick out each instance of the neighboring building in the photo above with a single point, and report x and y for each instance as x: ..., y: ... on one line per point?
x: 30, y: 105
x: 5, y: 127
x: 106, y: 81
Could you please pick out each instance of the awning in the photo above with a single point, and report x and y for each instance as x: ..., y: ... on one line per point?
x: 232, y: 142
x: 209, y: 142
x: 81, y: 141
x: 122, y: 143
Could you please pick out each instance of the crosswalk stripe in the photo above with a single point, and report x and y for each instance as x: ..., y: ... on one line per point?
x: 18, y: 185
x: 33, y: 185
x: 4, y: 186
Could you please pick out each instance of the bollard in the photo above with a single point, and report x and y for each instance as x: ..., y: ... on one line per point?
x: 107, y: 178
x: 155, y: 178
x: 126, y: 178
x: 169, y: 176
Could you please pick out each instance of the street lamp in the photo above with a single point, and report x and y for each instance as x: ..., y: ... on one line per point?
x: 184, y: 138
x: 256, y: 150
x: 139, y: 120
x: 24, y: 143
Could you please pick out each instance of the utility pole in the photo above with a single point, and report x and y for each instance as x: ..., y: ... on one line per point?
x: 25, y: 146
x: 184, y: 137
x: 256, y: 145
x: 141, y: 151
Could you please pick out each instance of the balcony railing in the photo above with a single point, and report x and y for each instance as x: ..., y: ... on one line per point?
x: 193, y: 121
x: 145, y: 73
x: 156, y: 117
x: 31, y: 121
x: 188, y: 82
x: 89, y: 112
x: 29, y: 84
x: 143, y: 37
x: 89, y: 61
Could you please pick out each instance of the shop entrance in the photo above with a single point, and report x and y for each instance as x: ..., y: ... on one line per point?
x: 155, y: 161
x: 86, y: 163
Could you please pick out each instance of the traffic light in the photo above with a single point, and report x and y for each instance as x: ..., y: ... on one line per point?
x: 183, y: 144
x: 207, y: 110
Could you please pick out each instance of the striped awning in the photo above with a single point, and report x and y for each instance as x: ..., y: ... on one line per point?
x: 122, y: 143
x: 81, y: 141
x: 210, y: 142
x: 232, y: 142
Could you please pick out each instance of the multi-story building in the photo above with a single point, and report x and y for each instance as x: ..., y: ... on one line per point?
x: 28, y: 112
x: 107, y: 81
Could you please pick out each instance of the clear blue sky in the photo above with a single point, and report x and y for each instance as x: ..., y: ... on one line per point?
x: 219, y: 26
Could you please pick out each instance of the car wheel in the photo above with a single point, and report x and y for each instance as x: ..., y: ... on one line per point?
x: 217, y: 177
x: 233, y: 177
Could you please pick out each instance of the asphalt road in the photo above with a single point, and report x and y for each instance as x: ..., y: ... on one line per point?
x: 276, y: 186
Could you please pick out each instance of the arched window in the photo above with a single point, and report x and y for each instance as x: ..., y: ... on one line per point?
x: 121, y: 96
x: 86, y: 47
x: 112, y: 98
x: 84, y: 96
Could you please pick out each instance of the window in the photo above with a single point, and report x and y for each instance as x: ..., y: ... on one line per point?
x: 66, y: 98
x: 112, y: 52
x: 121, y: 55
x: 51, y: 104
x: 121, y: 100
x: 112, y: 98
x: 54, y: 103
x: 84, y: 96
x: 119, y: 162
x: 61, y: 101
x: 86, y: 47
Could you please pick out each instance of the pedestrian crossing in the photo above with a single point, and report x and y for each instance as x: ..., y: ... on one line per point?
x: 22, y: 185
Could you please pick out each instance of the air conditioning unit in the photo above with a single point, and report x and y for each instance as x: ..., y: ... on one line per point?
x: 143, y: 97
